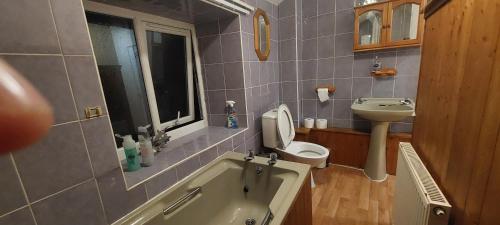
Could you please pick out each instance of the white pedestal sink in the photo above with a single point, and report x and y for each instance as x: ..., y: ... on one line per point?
x: 381, y: 111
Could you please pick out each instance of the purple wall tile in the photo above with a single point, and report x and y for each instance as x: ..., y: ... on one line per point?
x: 79, y: 206
x: 161, y: 182
x: 11, y: 193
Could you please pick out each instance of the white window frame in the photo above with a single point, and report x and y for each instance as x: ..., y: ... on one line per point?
x: 143, y: 22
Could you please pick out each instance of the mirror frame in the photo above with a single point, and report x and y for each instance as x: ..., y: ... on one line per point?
x: 263, y: 55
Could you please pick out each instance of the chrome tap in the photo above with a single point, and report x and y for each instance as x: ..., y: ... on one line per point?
x: 250, y: 156
x: 273, y: 158
x: 259, y: 170
x: 160, y: 140
x: 405, y: 101
x: 360, y: 100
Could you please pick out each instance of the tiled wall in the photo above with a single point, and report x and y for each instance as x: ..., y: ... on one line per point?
x: 261, y: 77
x: 72, y: 176
x: 326, y: 57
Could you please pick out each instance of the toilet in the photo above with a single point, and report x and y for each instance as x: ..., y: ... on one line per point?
x: 278, y: 132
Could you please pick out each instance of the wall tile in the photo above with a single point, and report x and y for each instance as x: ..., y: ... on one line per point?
x: 288, y: 71
x: 310, y: 27
x: 409, y: 61
x: 344, y: 4
x: 188, y: 167
x: 233, y: 74
x: 286, y: 8
x: 286, y: 28
x: 362, y: 87
x: 217, y: 101
x: 310, y: 49
x: 406, y: 86
x: 208, y: 156
x: 383, y: 87
x: 287, y: 50
x: 210, y: 48
x: 11, y: 193
x: 64, y: 147
x: 325, y: 68
x: 255, y: 73
x: 289, y: 90
x: 34, y: 33
x: 48, y: 75
x: 309, y: 8
x: 214, y: 74
x: 344, y: 21
x: 309, y: 89
x: 401, y: 127
x: 85, y: 83
x: 100, y: 144
x: 326, y: 47
x: 237, y: 95
x: 344, y: 67
x: 342, y: 109
x: 20, y: 217
x: 309, y: 69
x: 77, y: 206
x: 161, y: 183
x: 326, y: 24
x: 116, y: 199
x: 343, y: 43
x: 342, y: 123
x: 229, y: 25
x: 363, y: 65
x: 71, y: 27
x: 205, y: 29
x: 309, y: 108
x: 363, y: 125
x: 326, y: 6
x: 344, y: 87
x: 231, y: 47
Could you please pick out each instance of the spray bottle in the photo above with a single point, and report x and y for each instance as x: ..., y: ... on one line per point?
x: 232, y: 118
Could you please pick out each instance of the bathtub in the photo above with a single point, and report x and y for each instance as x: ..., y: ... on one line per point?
x: 228, y: 190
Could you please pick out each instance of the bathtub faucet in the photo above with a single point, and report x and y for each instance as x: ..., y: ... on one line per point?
x: 273, y: 158
x: 250, y: 156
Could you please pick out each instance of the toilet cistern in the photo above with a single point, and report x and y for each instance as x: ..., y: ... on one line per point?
x: 381, y: 111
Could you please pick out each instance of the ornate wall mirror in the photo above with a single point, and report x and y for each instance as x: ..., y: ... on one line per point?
x: 262, y: 34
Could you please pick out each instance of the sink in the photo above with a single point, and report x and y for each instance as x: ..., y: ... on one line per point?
x: 381, y: 111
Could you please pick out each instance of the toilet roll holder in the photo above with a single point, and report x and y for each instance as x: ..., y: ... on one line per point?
x: 331, y: 88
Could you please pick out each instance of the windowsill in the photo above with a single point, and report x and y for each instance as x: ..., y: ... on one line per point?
x: 180, y: 150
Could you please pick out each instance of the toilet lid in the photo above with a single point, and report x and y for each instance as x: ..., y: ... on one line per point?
x: 286, y: 131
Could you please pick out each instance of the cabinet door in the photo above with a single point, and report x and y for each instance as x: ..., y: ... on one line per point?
x: 369, y: 26
x: 404, y: 23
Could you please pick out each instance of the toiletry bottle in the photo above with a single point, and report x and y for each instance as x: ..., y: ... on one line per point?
x: 232, y: 118
x: 145, y: 146
x: 130, y: 149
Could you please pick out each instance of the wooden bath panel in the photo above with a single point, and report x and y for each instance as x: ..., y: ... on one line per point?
x: 301, y: 211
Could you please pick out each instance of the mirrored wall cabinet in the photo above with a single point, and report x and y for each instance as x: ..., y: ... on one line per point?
x: 388, y: 24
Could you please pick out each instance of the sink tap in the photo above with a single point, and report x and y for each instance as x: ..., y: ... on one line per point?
x: 360, y: 100
x: 259, y: 170
x: 250, y: 156
x: 160, y: 139
x: 406, y: 101
x: 273, y: 158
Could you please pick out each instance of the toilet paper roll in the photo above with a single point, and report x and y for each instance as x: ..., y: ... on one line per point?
x: 322, y: 94
x: 321, y: 123
x: 308, y: 122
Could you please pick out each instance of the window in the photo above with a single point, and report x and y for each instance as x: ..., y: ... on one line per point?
x: 148, y: 69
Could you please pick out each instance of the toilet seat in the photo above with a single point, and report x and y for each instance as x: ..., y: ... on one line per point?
x: 304, y: 152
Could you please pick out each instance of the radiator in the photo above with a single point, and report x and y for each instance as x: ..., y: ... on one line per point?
x: 417, y: 198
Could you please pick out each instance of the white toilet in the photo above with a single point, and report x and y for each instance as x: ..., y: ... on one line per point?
x: 278, y: 132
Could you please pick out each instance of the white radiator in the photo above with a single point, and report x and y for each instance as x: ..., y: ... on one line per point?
x: 417, y: 198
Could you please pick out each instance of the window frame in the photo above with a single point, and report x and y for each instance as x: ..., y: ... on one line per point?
x: 165, y: 25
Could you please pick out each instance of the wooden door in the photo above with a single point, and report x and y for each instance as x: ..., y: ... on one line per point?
x: 369, y: 26
x: 404, y: 23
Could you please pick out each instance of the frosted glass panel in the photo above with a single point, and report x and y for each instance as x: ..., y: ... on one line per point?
x: 370, y: 27
x: 405, y: 22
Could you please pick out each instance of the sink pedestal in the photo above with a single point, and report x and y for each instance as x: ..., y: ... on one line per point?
x: 375, y: 163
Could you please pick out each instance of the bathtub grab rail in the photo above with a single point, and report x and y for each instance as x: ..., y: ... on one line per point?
x: 267, y: 219
x: 182, y: 200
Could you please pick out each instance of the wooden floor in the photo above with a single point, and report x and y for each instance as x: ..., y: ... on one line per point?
x: 344, y: 196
